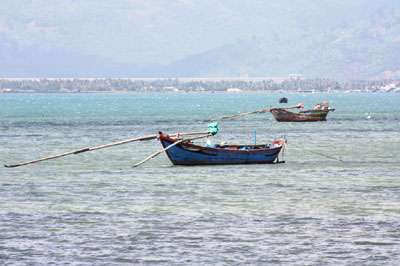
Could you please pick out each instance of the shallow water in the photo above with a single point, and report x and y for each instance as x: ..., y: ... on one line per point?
x: 336, y: 200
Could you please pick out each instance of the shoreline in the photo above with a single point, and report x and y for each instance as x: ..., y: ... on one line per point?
x: 199, y: 85
x: 197, y: 92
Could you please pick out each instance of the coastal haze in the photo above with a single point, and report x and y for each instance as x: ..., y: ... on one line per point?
x: 343, y: 40
x: 79, y: 75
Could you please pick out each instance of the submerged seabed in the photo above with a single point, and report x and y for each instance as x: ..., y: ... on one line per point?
x: 92, y: 208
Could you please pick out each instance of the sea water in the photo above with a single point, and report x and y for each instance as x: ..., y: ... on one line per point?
x: 335, y: 200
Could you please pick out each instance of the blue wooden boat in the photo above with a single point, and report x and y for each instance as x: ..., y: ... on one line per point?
x: 187, y: 153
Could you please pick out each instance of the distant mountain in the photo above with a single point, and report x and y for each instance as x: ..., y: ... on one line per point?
x: 367, y: 49
x: 34, y: 62
x: 358, y: 39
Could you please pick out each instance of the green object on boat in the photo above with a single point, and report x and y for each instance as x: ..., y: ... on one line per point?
x: 317, y: 111
x: 212, y: 128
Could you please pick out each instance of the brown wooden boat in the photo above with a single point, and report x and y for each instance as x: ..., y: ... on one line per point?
x: 319, y: 113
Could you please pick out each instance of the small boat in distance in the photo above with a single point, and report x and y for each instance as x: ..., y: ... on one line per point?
x: 318, y: 113
x: 187, y: 153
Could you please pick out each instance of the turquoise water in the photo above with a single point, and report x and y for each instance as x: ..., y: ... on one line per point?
x: 335, y: 201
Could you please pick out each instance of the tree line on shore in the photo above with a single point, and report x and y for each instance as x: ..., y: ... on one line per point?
x: 198, y: 85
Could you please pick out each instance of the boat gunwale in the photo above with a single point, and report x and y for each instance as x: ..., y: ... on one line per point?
x: 289, y: 116
x: 225, y: 150
x: 301, y: 112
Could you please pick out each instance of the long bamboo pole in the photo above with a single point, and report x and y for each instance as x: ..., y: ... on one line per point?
x: 253, y: 112
x: 289, y: 107
x: 167, y: 148
x: 150, y: 137
x: 239, y: 115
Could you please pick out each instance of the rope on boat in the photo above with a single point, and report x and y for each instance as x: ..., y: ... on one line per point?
x: 284, y: 149
x: 323, y: 155
x: 282, y: 154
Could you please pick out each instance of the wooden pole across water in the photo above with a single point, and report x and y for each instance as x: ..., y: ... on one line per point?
x: 150, y: 137
x: 239, y: 115
x: 253, y: 112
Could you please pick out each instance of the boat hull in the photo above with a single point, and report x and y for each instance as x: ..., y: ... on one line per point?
x: 190, y: 154
x: 282, y: 115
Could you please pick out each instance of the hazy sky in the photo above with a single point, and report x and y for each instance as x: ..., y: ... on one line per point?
x: 165, y: 31
x: 160, y: 30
